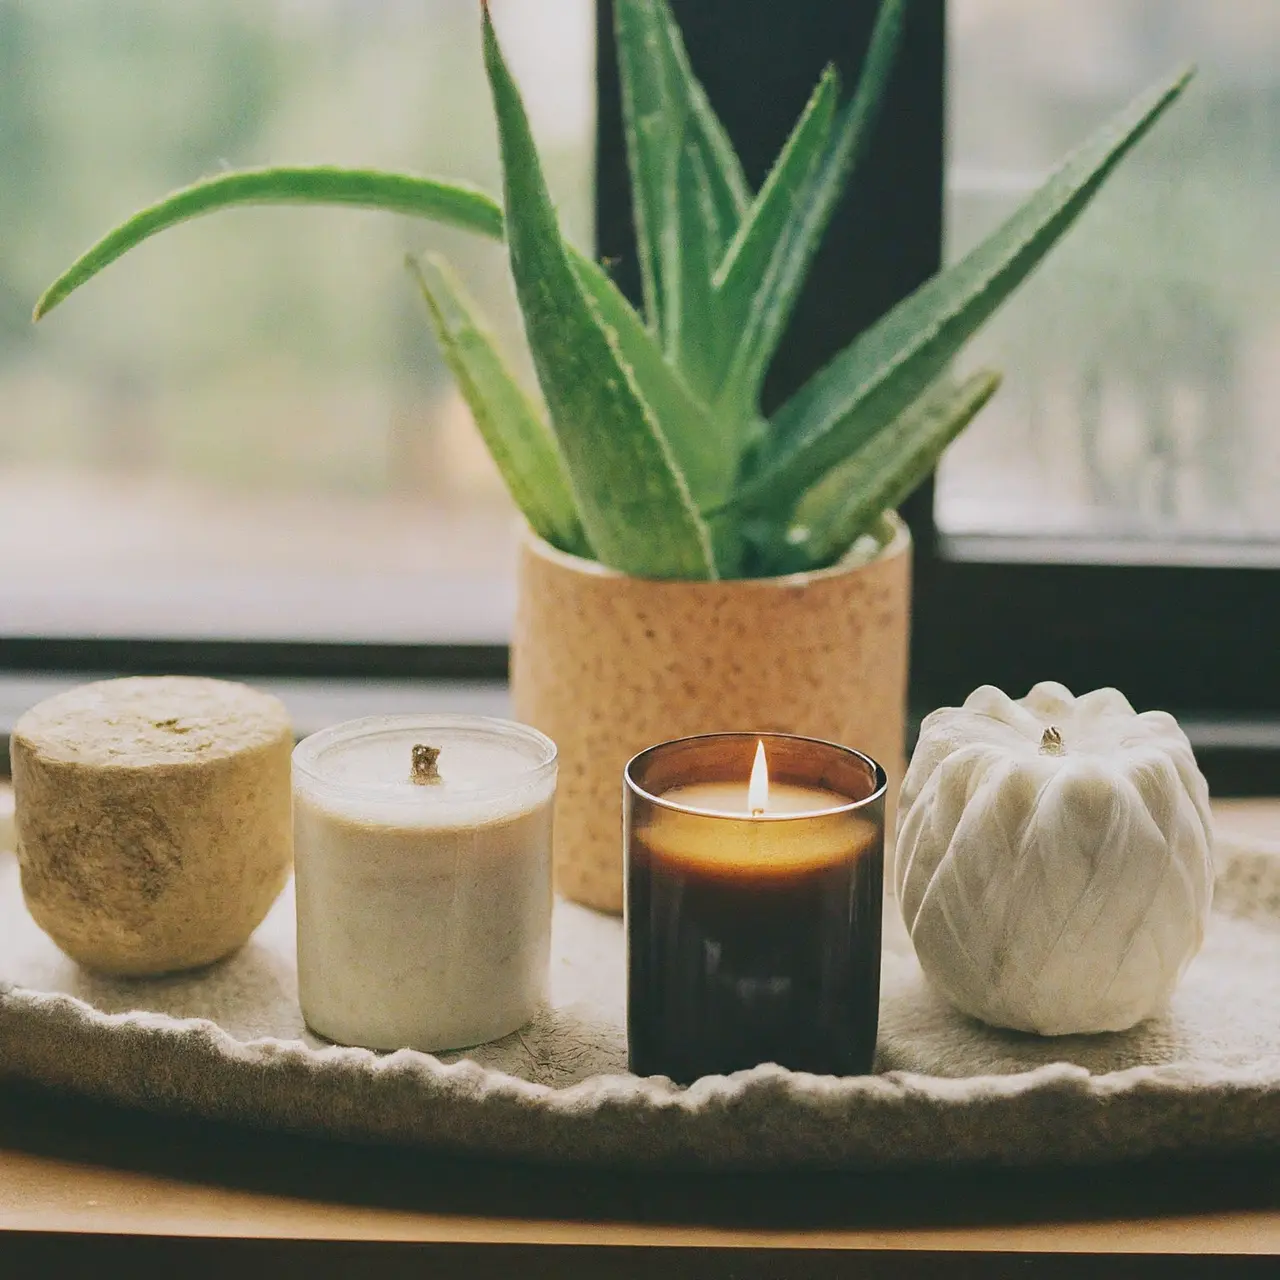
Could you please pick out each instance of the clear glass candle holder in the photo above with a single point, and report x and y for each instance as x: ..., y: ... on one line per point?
x: 422, y: 849
x: 753, y: 928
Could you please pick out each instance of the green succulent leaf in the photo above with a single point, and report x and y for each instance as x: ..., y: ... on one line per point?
x: 775, y: 208
x: 686, y: 423
x: 664, y: 107
x: 453, y: 203
x: 646, y: 125
x: 730, y: 191
x: 661, y: 385
x: 698, y: 340
x: 886, y: 470
x: 884, y: 370
x: 511, y: 425
x: 633, y: 500
x: 779, y: 277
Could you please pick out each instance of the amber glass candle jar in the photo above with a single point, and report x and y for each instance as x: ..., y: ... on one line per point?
x: 754, y: 866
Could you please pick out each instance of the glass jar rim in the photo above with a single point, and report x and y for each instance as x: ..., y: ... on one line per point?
x: 307, y: 754
x: 879, y: 788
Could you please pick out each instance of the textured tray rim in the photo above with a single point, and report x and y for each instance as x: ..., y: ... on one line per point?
x: 898, y: 1118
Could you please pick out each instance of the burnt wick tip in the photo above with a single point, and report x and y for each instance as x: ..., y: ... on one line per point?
x: 424, y: 764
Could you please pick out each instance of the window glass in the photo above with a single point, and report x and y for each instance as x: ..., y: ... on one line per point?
x: 1142, y: 361
x: 244, y: 429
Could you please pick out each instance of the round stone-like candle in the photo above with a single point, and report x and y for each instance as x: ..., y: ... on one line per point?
x: 753, y: 901
x: 422, y: 847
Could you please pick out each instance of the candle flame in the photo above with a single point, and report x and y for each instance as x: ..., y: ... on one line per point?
x: 758, y: 788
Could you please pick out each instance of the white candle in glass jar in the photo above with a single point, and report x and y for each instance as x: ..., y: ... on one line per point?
x: 423, y: 880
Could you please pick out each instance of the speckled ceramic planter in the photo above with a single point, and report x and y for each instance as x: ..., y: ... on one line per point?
x: 607, y: 665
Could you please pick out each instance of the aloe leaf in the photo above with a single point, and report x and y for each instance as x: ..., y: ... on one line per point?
x: 765, y: 316
x: 642, y: 75
x: 513, y: 430
x: 786, y: 547
x: 662, y: 104
x: 888, y: 468
x: 459, y: 205
x: 633, y: 500
x: 730, y: 191
x: 725, y: 207
x: 746, y: 260
x: 685, y: 421
x: 882, y: 372
x: 698, y: 341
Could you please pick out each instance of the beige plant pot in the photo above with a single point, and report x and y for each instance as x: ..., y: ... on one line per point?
x: 607, y: 665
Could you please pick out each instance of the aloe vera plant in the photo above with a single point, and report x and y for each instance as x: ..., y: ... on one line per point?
x: 650, y: 452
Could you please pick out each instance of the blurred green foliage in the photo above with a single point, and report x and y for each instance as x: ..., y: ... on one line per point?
x: 259, y: 349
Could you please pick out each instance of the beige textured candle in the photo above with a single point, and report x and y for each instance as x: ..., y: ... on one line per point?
x: 152, y: 818
x: 423, y: 879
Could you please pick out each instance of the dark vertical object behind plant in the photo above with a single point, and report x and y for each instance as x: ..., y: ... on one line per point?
x: 759, y: 61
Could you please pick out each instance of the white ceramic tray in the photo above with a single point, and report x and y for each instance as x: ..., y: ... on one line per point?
x: 229, y: 1043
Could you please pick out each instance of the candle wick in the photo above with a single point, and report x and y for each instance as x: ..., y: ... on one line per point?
x: 423, y: 768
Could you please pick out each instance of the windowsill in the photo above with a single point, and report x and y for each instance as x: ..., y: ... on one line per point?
x: 1238, y: 756
x: 1198, y: 553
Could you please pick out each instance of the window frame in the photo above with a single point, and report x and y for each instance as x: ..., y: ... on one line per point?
x: 1168, y: 635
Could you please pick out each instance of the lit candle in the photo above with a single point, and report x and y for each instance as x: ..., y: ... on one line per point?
x: 754, y: 872
x: 423, y: 860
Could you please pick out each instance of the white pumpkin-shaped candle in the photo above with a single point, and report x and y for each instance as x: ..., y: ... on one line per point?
x: 1053, y: 862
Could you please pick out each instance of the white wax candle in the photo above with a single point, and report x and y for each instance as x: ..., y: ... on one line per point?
x: 424, y: 907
